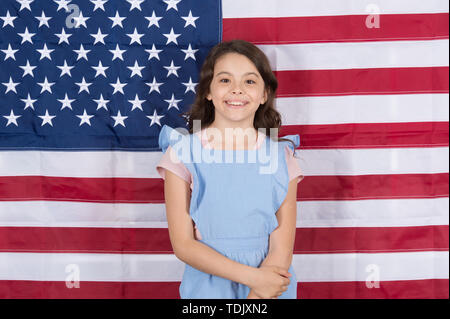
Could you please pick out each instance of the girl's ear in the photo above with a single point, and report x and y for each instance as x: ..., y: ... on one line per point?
x: 265, y: 97
x: 209, y: 97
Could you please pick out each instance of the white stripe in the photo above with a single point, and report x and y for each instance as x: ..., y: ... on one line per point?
x: 373, y: 213
x: 357, y: 55
x: 151, y: 268
x: 79, y: 164
x: 374, y: 161
x: 143, y: 164
x: 307, y: 8
x: 354, y: 213
x: 396, y: 108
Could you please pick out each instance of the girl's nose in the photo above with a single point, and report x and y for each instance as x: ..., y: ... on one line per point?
x: 236, y: 90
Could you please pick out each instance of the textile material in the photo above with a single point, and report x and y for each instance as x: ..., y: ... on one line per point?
x: 234, y: 217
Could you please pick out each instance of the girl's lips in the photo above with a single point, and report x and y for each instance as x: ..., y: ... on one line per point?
x: 236, y: 104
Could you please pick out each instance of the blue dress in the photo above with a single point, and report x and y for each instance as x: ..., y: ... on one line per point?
x: 235, y: 197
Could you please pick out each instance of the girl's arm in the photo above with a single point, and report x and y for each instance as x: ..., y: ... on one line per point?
x: 282, y: 239
x: 186, y: 247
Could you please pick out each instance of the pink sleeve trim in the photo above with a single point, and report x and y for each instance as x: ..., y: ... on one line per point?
x: 177, y: 168
x: 293, y: 167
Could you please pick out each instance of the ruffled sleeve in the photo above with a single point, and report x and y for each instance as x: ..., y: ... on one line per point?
x: 168, y: 136
x: 282, y: 176
x: 294, y: 138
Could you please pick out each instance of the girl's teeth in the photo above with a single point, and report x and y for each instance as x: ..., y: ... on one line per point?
x: 235, y: 103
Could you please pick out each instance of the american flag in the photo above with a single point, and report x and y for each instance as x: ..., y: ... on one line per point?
x: 87, y: 85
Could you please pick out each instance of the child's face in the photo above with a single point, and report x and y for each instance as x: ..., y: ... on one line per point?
x: 237, y: 89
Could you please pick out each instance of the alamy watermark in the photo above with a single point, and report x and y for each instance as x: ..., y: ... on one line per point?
x: 73, y: 278
x: 373, y: 19
x: 266, y: 156
x: 373, y: 279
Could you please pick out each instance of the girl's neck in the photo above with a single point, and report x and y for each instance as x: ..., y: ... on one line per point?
x: 231, y: 138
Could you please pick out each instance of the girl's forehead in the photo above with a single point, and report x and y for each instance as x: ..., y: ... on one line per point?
x: 235, y: 63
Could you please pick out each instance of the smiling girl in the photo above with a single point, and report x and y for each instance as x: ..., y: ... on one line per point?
x: 233, y: 226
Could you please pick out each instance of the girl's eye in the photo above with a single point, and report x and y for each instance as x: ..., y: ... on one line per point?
x: 224, y: 80
x: 251, y: 82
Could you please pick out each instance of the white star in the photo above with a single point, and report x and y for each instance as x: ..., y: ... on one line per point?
x: 172, y: 69
x: 190, y: 53
x: 136, y: 69
x: 84, y: 86
x: 118, y: 87
x: 45, y: 52
x: 153, y: 20
x: 173, y: 103
x: 11, y: 86
x: 101, y: 103
x: 117, y: 20
x: 190, y: 20
x: 135, y: 37
x: 155, y: 118
x: 62, y: 4
x: 99, y: 4
x: 47, y: 118
x: 135, y: 4
x: 172, y: 37
x: 119, y: 119
x: 43, y: 20
x: 190, y: 86
x: 137, y: 104
x: 99, y: 36
x: 66, y: 103
x: 85, y: 118
x: 10, y: 53
x: 100, y: 69
x: 154, y: 86
x: 65, y: 69
x: 28, y: 102
x: 8, y: 20
x: 28, y: 69
x: 82, y: 53
x: 12, y: 118
x: 26, y: 36
x: 117, y: 53
x: 172, y: 4
x: 81, y: 20
x: 153, y: 53
x: 46, y: 86
x: 63, y: 36
x: 25, y: 4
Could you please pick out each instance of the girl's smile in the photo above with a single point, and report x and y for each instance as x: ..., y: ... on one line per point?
x: 236, y: 104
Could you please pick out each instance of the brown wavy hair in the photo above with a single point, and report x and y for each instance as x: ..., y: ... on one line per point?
x: 202, y: 109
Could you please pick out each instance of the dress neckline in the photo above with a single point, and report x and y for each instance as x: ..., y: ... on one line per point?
x: 202, y: 138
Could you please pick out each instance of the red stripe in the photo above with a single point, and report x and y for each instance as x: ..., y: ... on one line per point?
x: 156, y: 240
x: 349, y: 28
x: 371, y: 239
x: 409, y: 80
x: 411, y: 289
x: 399, y: 289
x: 119, y: 190
x: 374, y: 187
x: 370, y: 135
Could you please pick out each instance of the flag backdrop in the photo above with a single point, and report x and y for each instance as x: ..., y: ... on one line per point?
x: 87, y: 85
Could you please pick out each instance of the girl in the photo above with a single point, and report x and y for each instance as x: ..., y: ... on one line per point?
x: 232, y: 225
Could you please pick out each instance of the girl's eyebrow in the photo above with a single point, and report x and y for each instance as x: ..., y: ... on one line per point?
x: 248, y: 73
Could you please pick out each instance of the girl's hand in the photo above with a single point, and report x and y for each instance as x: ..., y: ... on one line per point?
x: 270, y: 282
x: 252, y: 295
